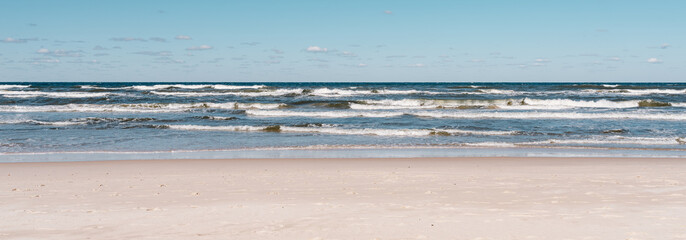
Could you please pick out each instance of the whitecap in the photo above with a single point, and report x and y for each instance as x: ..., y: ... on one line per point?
x: 137, y: 107
x: 13, y: 86
x: 31, y: 94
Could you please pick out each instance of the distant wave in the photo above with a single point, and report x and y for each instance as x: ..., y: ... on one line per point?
x: 31, y: 94
x: 180, y: 86
x: 137, y: 107
x: 13, y: 86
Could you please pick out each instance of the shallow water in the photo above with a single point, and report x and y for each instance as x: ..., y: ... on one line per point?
x: 158, y: 117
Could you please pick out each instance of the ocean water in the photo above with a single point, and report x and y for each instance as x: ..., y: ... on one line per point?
x: 43, y: 120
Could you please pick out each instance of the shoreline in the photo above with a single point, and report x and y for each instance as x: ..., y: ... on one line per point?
x: 350, y: 198
x: 346, y: 152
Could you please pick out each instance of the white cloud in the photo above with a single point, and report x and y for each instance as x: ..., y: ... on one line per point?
x: 18, y: 40
x: 199, y: 48
x: 388, y: 12
x: 542, y: 60
x: 361, y: 65
x: 11, y: 40
x: 60, y: 53
x: 183, y: 37
x: 665, y: 45
x: 316, y: 49
x: 616, y: 59
x: 654, y: 60
x: 418, y: 65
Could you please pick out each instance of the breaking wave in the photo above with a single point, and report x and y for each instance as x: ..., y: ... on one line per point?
x: 526, y: 103
x: 278, y: 92
x: 343, y: 131
x: 8, y: 86
x: 31, y: 94
x: 470, y: 114
x: 77, y: 121
x: 201, y: 86
x: 138, y: 107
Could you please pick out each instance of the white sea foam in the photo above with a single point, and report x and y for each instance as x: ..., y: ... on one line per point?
x: 277, y: 92
x: 56, y: 123
x: 343, y: 131
x: 102, y: 88
x: 197, y: 86
x: 322, y: 114
x: 568, y: 103
x: 498, y: 91
x: 490, y: 144
x: 614, y: 140
x: 8, y: 86
x: 219, y: 118
x: 635, y: 91
x: 472, y: 114
x: 550, y: 115
x: 225, y: 87
x: 337, y: 92
x: 74, y: 121
x: 31, y: 94
x: 137, y: 107
x: 526, y: 103
x: 610, y: 85
x: 31, y: 121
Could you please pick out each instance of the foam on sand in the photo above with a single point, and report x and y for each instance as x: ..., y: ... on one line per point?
x: 621, y: 140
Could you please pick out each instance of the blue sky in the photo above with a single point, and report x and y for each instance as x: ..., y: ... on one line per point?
x: 343, y: 41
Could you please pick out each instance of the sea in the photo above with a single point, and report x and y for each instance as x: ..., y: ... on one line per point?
x: 70, y: 121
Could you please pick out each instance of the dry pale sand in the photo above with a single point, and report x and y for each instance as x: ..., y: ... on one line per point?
x: 449, y: 198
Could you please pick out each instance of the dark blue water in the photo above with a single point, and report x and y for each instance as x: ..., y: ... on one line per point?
x: 149, y: 117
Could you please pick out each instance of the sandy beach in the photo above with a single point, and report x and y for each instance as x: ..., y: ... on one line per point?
x: 414, y: 198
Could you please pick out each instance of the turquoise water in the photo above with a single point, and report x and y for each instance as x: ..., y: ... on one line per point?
x: 42, y: 121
